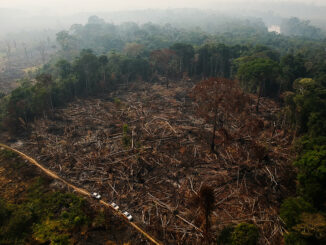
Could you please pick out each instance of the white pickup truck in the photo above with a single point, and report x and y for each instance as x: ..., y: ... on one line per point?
x: 128, y: 215
x: 115, y: 206
x: 96, y: 195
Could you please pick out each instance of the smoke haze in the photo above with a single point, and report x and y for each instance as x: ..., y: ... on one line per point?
x: 74, y: 6
x: 27, y: 15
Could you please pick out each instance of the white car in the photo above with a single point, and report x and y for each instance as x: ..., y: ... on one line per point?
x: 128, y: 215
x: 96, y: 195
x: 115, y: 206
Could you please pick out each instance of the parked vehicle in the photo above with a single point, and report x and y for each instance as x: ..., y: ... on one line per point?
x: 128, y: 215
x: 115, y: 206
x: 96, y: 195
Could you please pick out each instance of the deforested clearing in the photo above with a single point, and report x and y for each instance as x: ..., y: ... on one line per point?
x: 148, y: 148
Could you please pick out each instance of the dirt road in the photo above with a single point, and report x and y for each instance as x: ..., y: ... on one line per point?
x: 82, y: 191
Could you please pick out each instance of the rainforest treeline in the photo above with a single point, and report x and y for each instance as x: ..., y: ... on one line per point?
x: 100, y: 56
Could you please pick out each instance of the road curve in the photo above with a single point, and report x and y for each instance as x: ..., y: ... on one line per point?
x: 81, y: 191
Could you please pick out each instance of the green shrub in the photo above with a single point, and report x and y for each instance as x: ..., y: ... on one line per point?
x: 4, y: 212
x: 69, y: 208
x: 294, y: 238
x: 292, y: 208
x: 308, y: 143
x: 225, y: 236
x: 20, y: 222
x: 242, y: 234
x: 11, y: 159
x: 126, y: 140
x: 47, y: 216
x: 7, y: 154
x: 51, y: 231
x: 117, y: 102
x: 245, y: 234
x: 312, y: 227
x: 312, y: 175
x: 37, y: 189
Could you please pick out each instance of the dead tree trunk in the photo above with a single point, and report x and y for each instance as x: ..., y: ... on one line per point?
x: 214, y: 131
x: 260, y: 93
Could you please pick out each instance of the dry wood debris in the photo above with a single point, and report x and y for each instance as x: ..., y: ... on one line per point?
x: 163, y: 157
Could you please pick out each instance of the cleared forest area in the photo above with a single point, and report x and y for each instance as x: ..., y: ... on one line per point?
x: 20, y: 57
x: 146, y: 148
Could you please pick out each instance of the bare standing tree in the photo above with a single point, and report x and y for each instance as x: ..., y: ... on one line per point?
x: 205, y: 200
x: 8, y: 53
x: 25, y: 51
x: 41, y: 48
x: 217, y: 99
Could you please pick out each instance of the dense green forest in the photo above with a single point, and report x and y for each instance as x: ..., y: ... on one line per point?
x: 99, y: 56
x: 103, y: 37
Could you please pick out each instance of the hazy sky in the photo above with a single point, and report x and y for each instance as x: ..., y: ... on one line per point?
x: 65, y: 6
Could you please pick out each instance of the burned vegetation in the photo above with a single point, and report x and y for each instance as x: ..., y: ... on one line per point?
x: 185, y: 161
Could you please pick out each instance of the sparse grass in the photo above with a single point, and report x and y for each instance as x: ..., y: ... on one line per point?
x: 40, y: 214
x: 11, y: 158
x: 44, y: 215
x: 7, y: 154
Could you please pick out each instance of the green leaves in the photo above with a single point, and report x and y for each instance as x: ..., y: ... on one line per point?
x: 245, y: 234
x: 259, y: 73
x: 241, y: 234
x: 51, y: 230
x: 214, y: 60
x: 126, y: 139
x: 305, y: 225
x: 303, y: 215
x: 292, y: 208
x: 64, y: 68
x: 4, y: 212
x: 312, y: 175
x: 87, y: 70
x: 313, y: 225
x: 307, y: 107
x: 292, y: 67
x: 45, y: 215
